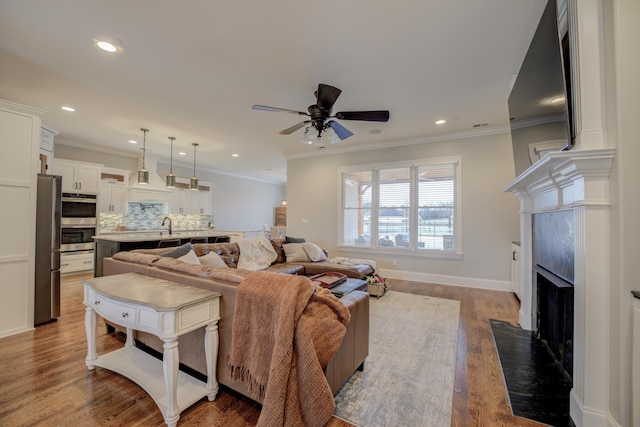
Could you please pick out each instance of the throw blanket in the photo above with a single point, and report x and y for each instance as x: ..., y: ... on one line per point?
x: 354, y: 261
x: 284, y: 334
x: 256, y: 254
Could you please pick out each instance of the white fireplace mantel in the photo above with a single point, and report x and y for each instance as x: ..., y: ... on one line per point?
x: 578, y: 180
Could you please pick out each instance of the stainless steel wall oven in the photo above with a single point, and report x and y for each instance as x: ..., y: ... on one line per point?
x: 79, y: 221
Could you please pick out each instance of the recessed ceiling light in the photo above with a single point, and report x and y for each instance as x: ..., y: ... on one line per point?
x: 441, y: 122
x: 182, y: 153
x: 133, y: 141
x: 235, y: 155
x: 106, y: 46
x: 69, y: 109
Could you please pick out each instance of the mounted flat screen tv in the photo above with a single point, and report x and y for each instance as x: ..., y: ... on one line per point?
x: 540, y: 101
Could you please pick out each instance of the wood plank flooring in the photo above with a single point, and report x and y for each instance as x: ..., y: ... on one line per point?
x: 44, y: 381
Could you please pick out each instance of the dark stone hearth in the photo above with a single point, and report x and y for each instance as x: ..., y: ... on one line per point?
x: 537, y: 388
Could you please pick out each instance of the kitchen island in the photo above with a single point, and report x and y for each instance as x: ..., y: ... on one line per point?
x: 108, y: 244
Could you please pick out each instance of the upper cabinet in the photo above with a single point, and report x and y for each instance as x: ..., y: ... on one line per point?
x: 113, y: 190
x: 186, y: 201
x: 78, y: 177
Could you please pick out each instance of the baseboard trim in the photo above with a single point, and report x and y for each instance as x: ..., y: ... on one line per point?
x: 583, y: 416
x: 442, y: 279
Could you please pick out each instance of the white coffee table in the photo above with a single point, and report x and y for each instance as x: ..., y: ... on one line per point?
x: 167, y: 310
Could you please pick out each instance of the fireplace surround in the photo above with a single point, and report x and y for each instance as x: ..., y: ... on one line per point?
x: 576, y: 181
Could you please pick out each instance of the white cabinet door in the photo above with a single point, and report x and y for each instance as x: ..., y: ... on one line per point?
x: 118, y: 197
x: 89, y: 178
x: 205, y: 202
x: 68, y: 173
x: 104, y: 198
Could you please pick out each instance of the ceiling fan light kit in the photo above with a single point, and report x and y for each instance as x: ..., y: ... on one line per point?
x: 321, y: 129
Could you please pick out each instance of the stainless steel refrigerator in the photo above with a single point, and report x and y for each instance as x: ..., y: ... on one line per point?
x: 47, y: 274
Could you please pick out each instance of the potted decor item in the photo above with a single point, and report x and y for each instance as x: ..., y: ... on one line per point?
x: 376, y: 285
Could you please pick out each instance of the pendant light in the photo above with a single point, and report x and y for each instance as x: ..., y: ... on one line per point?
x: 143, y: 174
x: 194, y: 181
x: 171, y: 178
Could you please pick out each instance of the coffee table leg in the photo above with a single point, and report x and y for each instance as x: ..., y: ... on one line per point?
x: 170, y: 363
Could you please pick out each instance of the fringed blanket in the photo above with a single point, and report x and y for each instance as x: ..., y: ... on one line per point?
x: 285, y: 332
x: 354, y: 261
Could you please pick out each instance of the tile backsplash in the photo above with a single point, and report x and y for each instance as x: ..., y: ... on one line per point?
x: 149, y: 216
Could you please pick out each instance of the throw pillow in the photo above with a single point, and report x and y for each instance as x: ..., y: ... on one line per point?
x: 190, y: 258
x: 314, y: 252
x: 212, y: 259
x: 295, y: 252
x: 288, y: 239
x: 179, y: 251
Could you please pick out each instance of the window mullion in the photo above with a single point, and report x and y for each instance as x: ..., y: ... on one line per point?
x: 413, y: 209
x: 375, y: 198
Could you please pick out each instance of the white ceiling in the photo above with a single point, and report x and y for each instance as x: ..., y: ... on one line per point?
x: 193, y: 69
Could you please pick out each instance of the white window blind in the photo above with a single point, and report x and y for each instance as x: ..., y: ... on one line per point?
x: 411, y: 206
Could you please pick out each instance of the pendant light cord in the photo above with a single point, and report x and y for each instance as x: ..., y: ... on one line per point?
x: 144, y: 145
x: 171, y: 157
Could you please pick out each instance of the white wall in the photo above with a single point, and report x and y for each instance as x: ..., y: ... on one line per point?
x: 622, y: 64
x: 490, y: 218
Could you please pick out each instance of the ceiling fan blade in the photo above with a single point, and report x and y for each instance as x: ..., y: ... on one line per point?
x: 294, y: 128
x: 341, y: 131
x: 327, y: 96
x: 280, y: 110
x: 369, y: 116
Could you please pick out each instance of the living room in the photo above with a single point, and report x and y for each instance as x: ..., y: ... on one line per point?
x: 491, y: 217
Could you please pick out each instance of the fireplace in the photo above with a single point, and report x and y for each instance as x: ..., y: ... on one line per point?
x: 553, y: 272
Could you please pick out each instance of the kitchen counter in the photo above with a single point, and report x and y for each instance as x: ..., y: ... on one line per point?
x: 108, y: 244
x: 143, y: 236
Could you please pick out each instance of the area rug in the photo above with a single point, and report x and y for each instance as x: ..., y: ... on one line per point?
x: 409, y: 374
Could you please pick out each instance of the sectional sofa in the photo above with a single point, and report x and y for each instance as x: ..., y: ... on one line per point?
x: 349, y: 357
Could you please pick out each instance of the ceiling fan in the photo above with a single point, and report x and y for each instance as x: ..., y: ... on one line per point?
x: 320, y: 118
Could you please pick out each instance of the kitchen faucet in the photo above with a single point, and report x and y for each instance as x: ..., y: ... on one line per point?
x: 167, y: 218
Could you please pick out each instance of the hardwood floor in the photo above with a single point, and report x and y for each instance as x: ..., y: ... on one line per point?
x: 44, y: 381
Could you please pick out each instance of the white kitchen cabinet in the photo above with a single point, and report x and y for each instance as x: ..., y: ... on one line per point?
x: 515, y: 268
x: 180, y: 202
x: 19, y: 166
x: 113, y: 190
x: 73, y: 263
x: 186, y: 201
x: 113, y: 197
x: 78, y: 177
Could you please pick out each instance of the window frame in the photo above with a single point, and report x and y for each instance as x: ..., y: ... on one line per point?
x: 412, y: 250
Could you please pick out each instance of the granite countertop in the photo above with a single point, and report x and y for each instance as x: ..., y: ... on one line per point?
x: 128, y: 236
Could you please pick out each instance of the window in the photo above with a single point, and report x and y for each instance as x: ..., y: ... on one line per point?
x: 411, y: 207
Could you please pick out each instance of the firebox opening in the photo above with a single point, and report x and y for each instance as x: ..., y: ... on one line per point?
x: 555, y: 317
